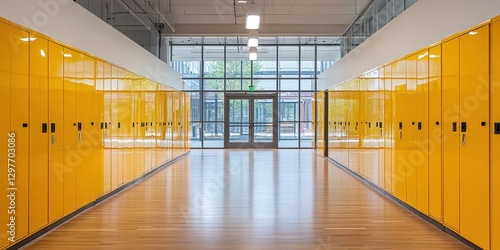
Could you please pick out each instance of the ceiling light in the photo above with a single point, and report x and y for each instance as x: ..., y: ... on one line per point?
x: 253, y: 39
x: 242, y: 1
x: 252, y: 21
x: 252, y: 56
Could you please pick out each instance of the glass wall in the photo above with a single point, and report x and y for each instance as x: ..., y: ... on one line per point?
x: 374, y: 17
x: 290, y: 70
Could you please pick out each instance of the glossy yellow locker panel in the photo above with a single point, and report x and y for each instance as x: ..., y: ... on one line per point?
x: 411, y: 131
x: 38, y: 136
x: 435, y: 135
x: 87, y: 130
x: 71, y: 158
x: 107, y: 135
x: 451, y: 140
x: 20, y: 123
x: 56, y: 148
x: 474, y: 153
x: 99, y: 129
x: 388, y: 127
x: 352, y: 107
x: 421, y: 156
x: 495, y: 134
x: 81, y: 151
x: 400, y: 130
x: 116, y: 170
x: 379, y: 129
x: 5, y: 66
x: 126, y: 129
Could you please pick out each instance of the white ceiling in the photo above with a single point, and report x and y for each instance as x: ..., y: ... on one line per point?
x: 226, y: 17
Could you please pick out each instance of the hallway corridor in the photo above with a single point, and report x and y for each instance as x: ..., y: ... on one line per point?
x: 248, y: 199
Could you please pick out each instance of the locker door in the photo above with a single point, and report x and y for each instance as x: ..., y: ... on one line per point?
x: 116, y: 170
x: 451, y: 140
x: 411, y: 125
x: 435, y: 135
x: 81, y: 151
x: 400, y: 129
x: 20, y: 124
x: 388, y: 127
x: 88, y: 135
x: 38, y: 136
x: 379, y: 131
x: 421, y: 157
x: 474, y: 135
x: 71, y: 158
x: 495, y: 134
x: 99, y: 129
x: 107, y: 135
x: 56, y: 147
x: 5, y: 66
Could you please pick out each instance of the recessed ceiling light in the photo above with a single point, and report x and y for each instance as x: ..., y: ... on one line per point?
x: 242, y: 1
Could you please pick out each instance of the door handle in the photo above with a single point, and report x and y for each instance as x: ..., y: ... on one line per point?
x: 79, y: 136
x: 53, y: 139
x: 401, y: 135
x: 463, y: 139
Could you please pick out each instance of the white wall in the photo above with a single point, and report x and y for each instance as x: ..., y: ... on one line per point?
x: 73, y: 25
x: 424, y: 23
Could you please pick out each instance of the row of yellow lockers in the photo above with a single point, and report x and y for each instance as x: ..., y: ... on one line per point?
x: 426, y: 128
x: 75, y: 128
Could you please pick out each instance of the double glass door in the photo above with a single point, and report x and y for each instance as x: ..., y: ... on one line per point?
x: 251, y: 121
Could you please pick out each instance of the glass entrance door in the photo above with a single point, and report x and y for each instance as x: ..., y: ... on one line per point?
x: 251, y: 121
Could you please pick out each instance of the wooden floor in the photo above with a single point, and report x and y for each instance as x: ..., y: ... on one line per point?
x: 248, y: 199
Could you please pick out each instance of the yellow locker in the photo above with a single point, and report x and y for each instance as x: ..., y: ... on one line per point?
x: 112, y: 129
x: 126, y: 129
x: 187, y: 115
x: 451, y: 140
x: 495, y: 134
x: 70, y: 137
x: 400, y: 129
x: 421, y: 156
x: 56, y: 147
x: 5, y: 66
x: 107, y: 135
x: 20, y: 123
x: 387, y: 127
x: 38, y: 136
x: 411, y: 131
x: 474, y: 135
x: 435, y: 135
x: 99, y: 129
x: 88, y: 133
x: 379, y: 129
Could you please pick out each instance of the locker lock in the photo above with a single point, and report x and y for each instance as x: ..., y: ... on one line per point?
x: 419, y: 125
x: 464, y: 127
x: 44, y: 128
x: 52, y: 127
x: 454, y: 125
x: 400, y: 125
x: 79, y: 126
x: 497, y: 128
x: 119, y: 125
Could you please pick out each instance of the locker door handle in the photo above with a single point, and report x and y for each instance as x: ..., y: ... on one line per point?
x: 463, y: 139
x: 401, y: 135
x: 79, y: 136
x: 53, y: 140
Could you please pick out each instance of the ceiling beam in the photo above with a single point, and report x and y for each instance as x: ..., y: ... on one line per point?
x: 265, y: 30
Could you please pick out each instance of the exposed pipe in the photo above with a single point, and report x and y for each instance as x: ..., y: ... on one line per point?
x: 134, y: 14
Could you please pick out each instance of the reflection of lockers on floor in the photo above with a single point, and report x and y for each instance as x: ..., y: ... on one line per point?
x: 435, y: 151
x: 72, y: 115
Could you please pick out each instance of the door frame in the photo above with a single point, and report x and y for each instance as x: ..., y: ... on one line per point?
x: 251, y: 97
